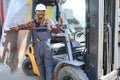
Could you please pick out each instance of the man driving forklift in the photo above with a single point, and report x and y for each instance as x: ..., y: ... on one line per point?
x: 41, y: 28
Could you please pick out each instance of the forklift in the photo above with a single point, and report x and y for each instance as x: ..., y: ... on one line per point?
x: 93, y: 53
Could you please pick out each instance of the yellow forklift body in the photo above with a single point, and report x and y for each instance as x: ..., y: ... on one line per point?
x: 30, y: 54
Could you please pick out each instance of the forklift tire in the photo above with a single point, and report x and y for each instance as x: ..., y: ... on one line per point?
x: 72, y: 73
x: 27, y: 67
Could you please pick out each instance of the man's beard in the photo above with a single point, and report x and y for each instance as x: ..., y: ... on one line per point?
x: 41, y: 17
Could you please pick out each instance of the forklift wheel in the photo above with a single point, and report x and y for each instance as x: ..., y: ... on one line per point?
x: 71, y: 73
x: 27, y: 67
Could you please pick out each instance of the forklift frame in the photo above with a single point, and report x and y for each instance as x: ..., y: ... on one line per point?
x: 101, y: 41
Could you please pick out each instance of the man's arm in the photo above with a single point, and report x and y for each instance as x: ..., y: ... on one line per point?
x: 55, y: 29
x: 27, y: 26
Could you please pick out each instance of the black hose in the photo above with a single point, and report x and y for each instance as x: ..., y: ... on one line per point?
x: 108, y: 32
x: 110, y: 44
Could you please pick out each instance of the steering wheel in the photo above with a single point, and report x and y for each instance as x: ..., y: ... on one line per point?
x: 80, y: 37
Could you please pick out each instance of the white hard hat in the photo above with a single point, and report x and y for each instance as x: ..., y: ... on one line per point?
x: 40, y: 7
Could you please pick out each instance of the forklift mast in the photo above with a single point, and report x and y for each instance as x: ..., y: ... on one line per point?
x: 101, y: 38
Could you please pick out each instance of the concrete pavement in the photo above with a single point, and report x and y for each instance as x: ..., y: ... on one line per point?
x: 18, y: 74
x: 6, y: 74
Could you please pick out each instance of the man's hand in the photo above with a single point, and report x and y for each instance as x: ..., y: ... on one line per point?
x: 14, y: 28
x: 60, y: 21
x: 54, y: 27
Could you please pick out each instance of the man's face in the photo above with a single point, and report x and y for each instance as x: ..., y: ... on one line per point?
x: 40, y: 14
